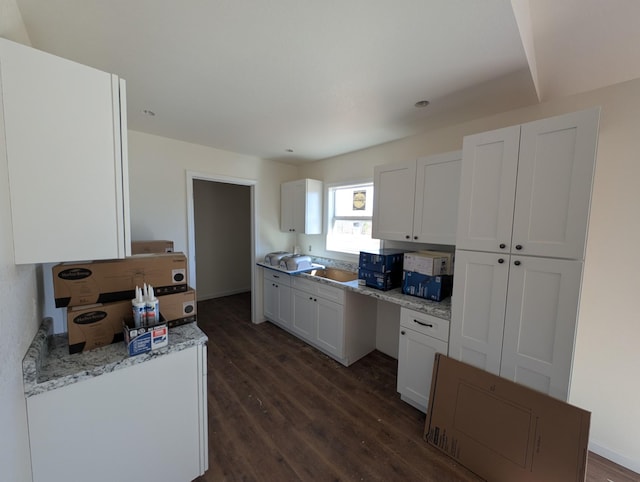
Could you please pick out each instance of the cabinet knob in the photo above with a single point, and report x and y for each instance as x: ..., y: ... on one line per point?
x: 402, y: 332
x: 500, y: 260
x: 502, y: 245
x: 408, y: 237
x: 315, y: 299
x: 516, y: 262
x: 415, y: 237
x: 518, y: 247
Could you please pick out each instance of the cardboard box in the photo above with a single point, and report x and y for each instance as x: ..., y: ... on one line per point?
x: 178, y: 308
x: 381, y: 260
x: 503, y: 431
x: 431, y: 263
x: 97, y: 325
x: 435, y: 288
x: 381, y: 281
x: 100, y: 324
x: 76, y: 284
x: 144, y: 339
x: 152, y: 246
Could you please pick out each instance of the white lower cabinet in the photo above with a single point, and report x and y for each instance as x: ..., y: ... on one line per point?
x: 143, y: 422
x: 342, y: 325
x: 515, y: 316
x: 421, y: 337
x: 277, y: 297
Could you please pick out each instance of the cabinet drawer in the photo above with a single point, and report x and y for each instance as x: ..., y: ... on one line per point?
x: 277, y: 277
x: 319, y: 289
x: 425, y: 324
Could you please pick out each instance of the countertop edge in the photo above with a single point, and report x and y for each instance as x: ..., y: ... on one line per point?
x: 184, y: 337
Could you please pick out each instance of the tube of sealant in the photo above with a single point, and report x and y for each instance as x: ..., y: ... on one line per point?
x: 152, y: 308
x: 139, y: 309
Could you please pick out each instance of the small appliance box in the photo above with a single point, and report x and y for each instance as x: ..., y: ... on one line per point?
x: 76, y: 284
x: 381, y: 260
x: 152, y: 246
x: 504, y: 431
x: 435, y: 288
x: 431, y: 263
x: 97, y: 325
x: 144, y: 339
x: 381, y: 281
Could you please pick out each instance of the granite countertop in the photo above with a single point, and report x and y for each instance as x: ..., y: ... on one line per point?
x: 439, y: 309
x: 48, y: 364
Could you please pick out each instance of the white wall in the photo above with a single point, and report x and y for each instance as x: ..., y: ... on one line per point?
x: 157, y: 183
x: 607, y: 352
x: 222, y: 214
x: 20, y: 307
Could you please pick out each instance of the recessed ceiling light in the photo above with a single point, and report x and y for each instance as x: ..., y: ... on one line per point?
x: 148, y: 112
x: 289, y: 150
x: 422, y: 103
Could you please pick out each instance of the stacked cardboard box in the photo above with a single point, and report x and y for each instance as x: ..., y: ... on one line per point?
x: 98, y: 295
x: 381, y: 269
x: 428, y: 274
x: 153, y: 246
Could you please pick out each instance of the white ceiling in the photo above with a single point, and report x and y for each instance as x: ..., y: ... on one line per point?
x: 325, y: 77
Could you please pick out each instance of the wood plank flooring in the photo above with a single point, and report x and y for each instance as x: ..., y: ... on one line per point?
x: 279, y: 410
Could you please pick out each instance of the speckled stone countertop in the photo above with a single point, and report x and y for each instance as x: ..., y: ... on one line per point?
x: 439, y: 309
x: 48, y: 364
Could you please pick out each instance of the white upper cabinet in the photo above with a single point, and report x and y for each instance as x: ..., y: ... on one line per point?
x: 418, y: 200
x: 393, y: 198
x: 64, y: 125
x: 527, y: 189
x: 301, y: 206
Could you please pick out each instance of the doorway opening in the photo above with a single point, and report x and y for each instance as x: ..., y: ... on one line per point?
x: 221, y: 236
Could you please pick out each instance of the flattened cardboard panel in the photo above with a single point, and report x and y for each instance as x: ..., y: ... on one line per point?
x: 504, y: 431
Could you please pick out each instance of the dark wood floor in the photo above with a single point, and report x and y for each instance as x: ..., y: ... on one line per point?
x: 280, y: 410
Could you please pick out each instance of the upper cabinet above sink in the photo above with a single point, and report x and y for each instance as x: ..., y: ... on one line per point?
x: 301, y: 206
x: 418, y: 200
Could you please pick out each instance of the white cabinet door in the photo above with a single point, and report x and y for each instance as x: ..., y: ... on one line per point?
x: 478, y: 308
x: 330, y: 326
x: 487, y: 190
x: 555, y: 172
x: 436, y: 198
x: 304, y: 315
x: 143, y: 422
x: 393, y: 201
x: 301, y: 206
x: 67, y: 157
x: 277, y: 298
x: 540, y: 323
x: 416, y: 356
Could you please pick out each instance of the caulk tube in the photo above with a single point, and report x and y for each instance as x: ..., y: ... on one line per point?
x: 152, y: 307
x: 139, y: 309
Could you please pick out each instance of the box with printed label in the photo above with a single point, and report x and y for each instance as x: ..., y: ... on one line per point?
x: 434, y: 288
x: 105, y: 281
x: 96, y: 325
x: 431, y: 263
x: 178, y: 308
x: 381, y: 281
x: 151, y: 246
x: 381, y: 260
x: 143, y: 339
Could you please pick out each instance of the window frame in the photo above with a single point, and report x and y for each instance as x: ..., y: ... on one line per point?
x: 330, y: 216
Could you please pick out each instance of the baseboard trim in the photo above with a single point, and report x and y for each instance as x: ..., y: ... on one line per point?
x: 619, y: 459
x: 220, y: 294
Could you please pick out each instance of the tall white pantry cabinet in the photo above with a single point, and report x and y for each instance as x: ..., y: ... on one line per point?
x: 64, y: 127
x: 522, y: 225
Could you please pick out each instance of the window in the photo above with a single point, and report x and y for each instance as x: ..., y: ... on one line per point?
x: 350, y: 210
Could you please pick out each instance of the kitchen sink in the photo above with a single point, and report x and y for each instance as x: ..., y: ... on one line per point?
x: 335, y: 274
